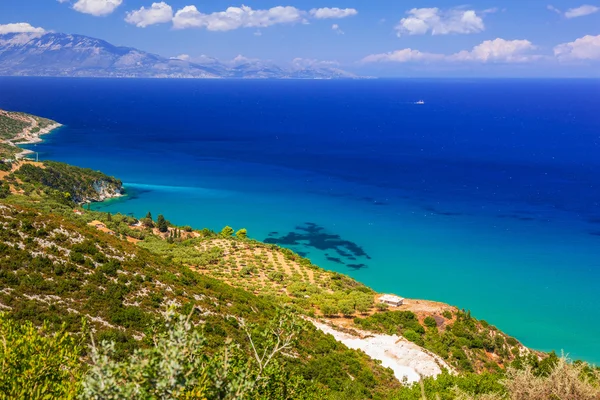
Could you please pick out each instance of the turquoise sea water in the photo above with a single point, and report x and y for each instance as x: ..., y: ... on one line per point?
x: 485, y: 197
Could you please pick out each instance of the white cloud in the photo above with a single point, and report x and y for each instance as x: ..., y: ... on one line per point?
x: 182, y: 57
x: 159, y: 13
x: 62, y: 1
x: 584, y: 48
x: 581, y: 11
x: 498, y: 50
x: 97, y: 8
x: 236, y: 17
x: 423, y: 20
x: 402, y: 56
x: 326, y: 13
x: 336, y: 28
x: 575, y: 12
x: 20, y: 27
x: 553, y: 9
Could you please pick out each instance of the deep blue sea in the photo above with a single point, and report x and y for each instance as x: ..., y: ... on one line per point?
x: 486, y: 196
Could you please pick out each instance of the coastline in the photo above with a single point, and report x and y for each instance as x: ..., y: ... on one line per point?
x: 27, y: 135
x: 31, y: 138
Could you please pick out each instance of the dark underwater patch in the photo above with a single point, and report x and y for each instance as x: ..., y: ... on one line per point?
x: 516, y: 216
x: 356, y: 266
x: 375, y: 202
x: 594, y: 220
x: 311, y: 235
x: 435, y: 211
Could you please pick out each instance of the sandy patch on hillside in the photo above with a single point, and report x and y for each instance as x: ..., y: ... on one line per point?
x: 408, y: 361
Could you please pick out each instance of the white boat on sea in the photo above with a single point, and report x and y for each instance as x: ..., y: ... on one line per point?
x: 419, y: 102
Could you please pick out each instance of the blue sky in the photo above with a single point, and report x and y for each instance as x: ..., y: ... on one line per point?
x: 378, y: 37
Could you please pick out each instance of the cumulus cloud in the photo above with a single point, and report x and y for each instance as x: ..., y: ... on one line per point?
x: 97, y: 8
x: 581, y: 11
x: 158, y: 13
x: 424, y: 20
x: 584, y: 48
x: 20, y: 27
x: 498, y: 50
x: 236, y: 17
x: 327, y: 13
x: 336, y: 28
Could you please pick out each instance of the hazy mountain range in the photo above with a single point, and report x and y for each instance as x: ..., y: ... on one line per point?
x: 59, y: 54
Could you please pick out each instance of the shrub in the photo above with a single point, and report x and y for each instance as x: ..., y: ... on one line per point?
x: 413, y: 337
x: 179, y: 366
x: 35, y: 364
x: 430, y: 322
x: 227, y: 231
x: 346, y: 307
x: 329, y: 308
x: 276, y: 276
x: 447, y: 314
x: 242, y: 234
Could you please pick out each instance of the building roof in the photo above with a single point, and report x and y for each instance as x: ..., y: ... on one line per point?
x: 391, y: 298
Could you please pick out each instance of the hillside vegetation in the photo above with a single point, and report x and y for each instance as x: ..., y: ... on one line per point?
x: 62, y: 272
x: 74, y: 184
x: 98, y: 306
x: 16, y: 126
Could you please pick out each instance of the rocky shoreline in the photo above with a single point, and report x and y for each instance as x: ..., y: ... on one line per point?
x: 32, y: 138
x: 29, y: 135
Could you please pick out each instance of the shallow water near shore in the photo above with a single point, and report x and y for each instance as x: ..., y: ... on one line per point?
x: 485, y: 197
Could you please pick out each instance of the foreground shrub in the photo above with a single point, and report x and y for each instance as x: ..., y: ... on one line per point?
x: 565, y: 380
x: 35, y: 364
x: 180, y: 366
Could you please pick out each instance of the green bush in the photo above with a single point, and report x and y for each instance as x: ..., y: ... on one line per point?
x: 180, y: 366
x: 37, y: 364
x: 430, y: 322
x: 413, y: 337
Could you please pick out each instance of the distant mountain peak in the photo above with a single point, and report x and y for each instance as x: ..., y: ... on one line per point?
x: 72, y: 55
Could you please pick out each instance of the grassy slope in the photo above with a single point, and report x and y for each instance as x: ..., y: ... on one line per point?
x: 59, y: 269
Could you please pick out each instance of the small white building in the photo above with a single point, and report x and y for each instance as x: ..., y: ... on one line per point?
x: 391, y: 300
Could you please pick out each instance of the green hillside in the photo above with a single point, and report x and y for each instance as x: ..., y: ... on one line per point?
x: 101, y: 306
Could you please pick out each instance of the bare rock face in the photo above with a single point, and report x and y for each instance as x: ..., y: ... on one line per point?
x: 105, y: 190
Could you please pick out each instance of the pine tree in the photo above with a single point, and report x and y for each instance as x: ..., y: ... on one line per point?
x: 161, y: 224
x: 242, y: 233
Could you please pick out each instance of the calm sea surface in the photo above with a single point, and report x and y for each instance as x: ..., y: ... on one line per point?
x: 486, y: 197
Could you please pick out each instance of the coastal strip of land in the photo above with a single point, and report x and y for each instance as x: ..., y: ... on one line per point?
x: 18, y: 129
